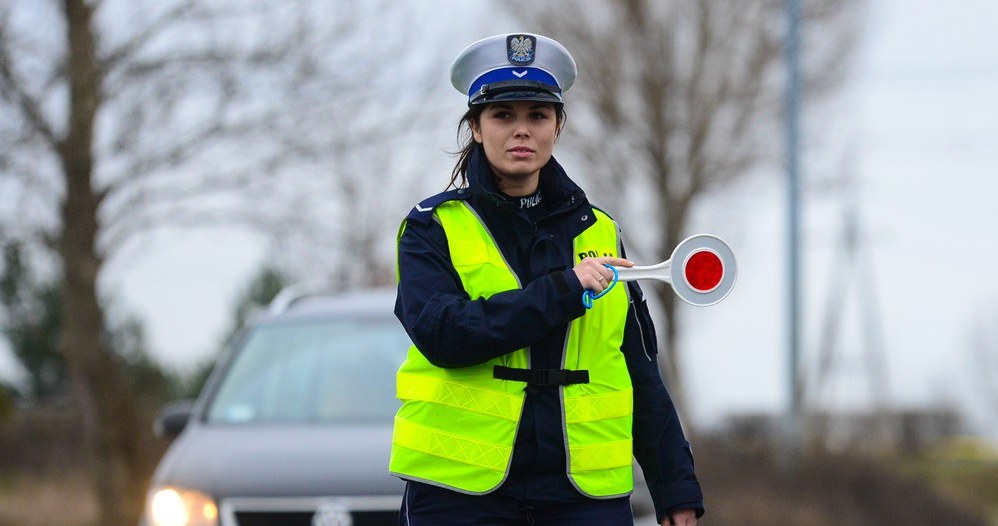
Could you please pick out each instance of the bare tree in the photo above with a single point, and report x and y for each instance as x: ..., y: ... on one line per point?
x: 678, y: 99
x: 118, y: 116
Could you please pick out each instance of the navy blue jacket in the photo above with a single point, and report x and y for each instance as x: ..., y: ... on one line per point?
x: 451, y: 330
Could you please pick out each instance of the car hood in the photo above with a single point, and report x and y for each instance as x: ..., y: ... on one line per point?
x: 281, y: 460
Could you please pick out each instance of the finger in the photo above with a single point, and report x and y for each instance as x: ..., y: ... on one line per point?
x: 617, y: 262
x: 684, y: 518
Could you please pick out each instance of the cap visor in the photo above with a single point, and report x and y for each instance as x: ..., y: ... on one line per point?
x: 529, y: 95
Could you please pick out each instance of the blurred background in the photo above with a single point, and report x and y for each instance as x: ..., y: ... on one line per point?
x: 165, y: 166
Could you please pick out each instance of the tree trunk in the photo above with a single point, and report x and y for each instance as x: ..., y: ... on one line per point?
x: 111, y: 424
x: 671, y: 367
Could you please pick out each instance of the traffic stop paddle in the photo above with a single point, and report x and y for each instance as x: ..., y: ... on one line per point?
x: 702, y: 271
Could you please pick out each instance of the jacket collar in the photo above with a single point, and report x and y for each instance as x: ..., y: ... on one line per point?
x: 554, y: 182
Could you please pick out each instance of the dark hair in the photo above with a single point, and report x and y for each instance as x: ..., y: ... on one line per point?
x: 459, y: 176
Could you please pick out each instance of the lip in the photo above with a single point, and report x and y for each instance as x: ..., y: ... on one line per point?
x: 521, y: 151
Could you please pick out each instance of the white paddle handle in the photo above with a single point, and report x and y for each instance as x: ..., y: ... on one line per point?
x: 661, y: 272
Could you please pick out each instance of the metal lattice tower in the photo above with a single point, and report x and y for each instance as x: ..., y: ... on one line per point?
x: 852, y: 284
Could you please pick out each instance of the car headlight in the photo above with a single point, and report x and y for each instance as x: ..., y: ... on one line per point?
x: 172, y: 506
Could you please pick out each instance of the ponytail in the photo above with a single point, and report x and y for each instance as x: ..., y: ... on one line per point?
x: 459, y: 176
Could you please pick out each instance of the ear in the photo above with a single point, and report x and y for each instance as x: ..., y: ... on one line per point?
x: 476, y: 131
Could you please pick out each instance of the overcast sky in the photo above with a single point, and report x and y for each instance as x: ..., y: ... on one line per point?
x: 917, y: 125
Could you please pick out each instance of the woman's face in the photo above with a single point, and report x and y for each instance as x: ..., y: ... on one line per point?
x: 518, y: 137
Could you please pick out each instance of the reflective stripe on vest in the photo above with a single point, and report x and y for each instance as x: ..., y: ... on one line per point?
x: 456, y: 427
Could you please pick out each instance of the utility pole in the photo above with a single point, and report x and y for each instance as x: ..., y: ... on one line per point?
x: 794, y: 416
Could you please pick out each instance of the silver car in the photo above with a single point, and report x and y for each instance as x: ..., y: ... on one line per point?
x: 294, y: 425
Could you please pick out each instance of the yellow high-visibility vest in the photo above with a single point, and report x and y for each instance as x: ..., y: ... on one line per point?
x: 456, y: 426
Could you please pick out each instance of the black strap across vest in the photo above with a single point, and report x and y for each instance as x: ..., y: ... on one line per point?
x: 541, y: 376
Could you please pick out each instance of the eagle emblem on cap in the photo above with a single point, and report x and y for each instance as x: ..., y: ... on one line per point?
x: 520, y: 49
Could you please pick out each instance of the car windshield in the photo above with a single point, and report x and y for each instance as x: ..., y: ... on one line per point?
x: 316, y: 371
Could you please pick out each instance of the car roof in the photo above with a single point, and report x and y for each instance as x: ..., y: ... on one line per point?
x: 299, y: 303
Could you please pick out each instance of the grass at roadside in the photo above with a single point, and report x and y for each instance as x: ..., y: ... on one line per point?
x: 970, y: 482
x: 63, y: 499
x: 966, y: 469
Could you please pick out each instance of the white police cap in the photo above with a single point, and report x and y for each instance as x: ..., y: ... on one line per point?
x: 517, y: 66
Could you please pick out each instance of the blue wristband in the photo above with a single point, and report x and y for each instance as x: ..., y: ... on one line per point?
x: 588, y: 296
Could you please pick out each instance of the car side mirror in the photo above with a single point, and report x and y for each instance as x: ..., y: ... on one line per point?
x: 172, y: 419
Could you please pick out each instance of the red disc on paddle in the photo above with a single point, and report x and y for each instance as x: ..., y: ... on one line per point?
x: 704, y: 271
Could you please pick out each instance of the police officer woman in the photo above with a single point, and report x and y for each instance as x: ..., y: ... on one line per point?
x: 519, y: 405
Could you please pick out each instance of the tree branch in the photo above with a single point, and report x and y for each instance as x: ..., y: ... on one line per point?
x: 128, y: 49
x: 13, y: 89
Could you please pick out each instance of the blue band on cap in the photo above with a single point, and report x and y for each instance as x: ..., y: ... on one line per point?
x: 503, y: 74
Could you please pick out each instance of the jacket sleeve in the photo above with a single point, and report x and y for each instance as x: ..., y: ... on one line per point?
x: 660, y: 446
x: 453, y: 330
